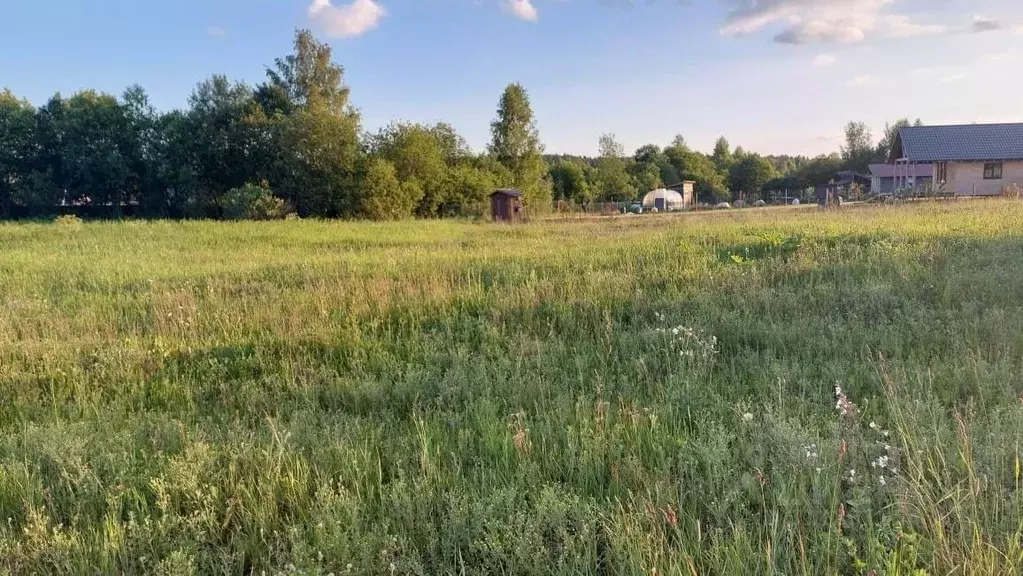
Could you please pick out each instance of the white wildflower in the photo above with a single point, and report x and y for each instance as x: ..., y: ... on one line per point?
x: 747, y: 417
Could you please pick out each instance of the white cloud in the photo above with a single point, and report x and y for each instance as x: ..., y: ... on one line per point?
x: 982, y: 24
x: 822, y: 31
x: 864, y: 80
x: 824, y: 60
x: 953, y: 78
x: 824, y: 21
x: 902, y: 26
x: 941, y: 74
x: 347, y: 19
x: 523, y: 9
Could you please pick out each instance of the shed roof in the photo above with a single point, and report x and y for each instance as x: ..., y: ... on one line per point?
x: 915, y: 170
x: 507, y: 192
x: 847, y: 177
x: 967, y: 142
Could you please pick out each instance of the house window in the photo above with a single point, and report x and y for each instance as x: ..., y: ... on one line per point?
x: 993, y: 171
x: 942, y: 172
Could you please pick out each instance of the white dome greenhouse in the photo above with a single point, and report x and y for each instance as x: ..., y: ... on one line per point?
x: 663, y: 200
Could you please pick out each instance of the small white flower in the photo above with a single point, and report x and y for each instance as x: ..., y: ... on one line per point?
x: 818, y: 470
x: 883, y: 482
x: 873, y: 426
x: 747, y: 417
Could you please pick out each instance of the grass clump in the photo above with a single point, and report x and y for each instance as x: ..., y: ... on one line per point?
x: 608, y: 397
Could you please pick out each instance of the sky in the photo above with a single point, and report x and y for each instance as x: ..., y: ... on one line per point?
x: 775, y: 76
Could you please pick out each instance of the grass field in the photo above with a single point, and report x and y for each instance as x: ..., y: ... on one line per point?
x: 630, y: 396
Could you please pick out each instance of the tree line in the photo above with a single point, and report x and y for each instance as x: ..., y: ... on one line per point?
x: 723, y: 175
x: 290, y: 144
x: 294, y: 144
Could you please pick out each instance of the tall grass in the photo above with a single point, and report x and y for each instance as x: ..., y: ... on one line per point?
x: 762, y: 392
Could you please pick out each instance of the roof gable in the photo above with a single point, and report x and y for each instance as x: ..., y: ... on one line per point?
x: 968, y: 142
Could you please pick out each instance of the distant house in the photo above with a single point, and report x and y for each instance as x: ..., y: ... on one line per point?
x: 967, y: 160
x: 884, y: 180
x: 841, y: 184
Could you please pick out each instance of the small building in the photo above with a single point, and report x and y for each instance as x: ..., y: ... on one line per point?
x: 966, y: 159
x: 884, y: 180
x: 688, y: 191
x: 675, y: 197
x: 664, y: 200
x: 842, y: 185
x: 506, y: 205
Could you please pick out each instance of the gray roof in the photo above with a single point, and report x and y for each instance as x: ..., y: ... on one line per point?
x: 507, y: 192
x: 969, y: 142
x: 912, y: 170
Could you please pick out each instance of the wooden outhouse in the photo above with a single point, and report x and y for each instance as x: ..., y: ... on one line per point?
x: 506, y: 205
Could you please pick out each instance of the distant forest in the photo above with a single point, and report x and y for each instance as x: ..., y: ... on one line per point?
x: 294, y: 145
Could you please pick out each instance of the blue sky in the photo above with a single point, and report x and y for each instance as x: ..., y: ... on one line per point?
x: 776, y: 76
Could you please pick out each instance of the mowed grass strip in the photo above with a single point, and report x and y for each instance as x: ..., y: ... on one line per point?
x: 777, y: 391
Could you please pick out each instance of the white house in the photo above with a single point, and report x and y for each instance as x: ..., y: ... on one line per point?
x: 968, y: 160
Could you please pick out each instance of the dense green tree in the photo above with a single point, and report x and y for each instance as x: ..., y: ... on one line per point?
x: 646, y: 177
x: 679, y: 142
x: 750, y: 174
x: 516, y: 145
x: 569, y: 180
x: 650, y: 154
x: 312, y: 137
x: 418, y: 155
x: 722, y: 156
x: 322, y: 164
x: 611, y: 178
x: 652, y: 168
x: 308, y: 77
x: 19, y: 152
x: 470, y: 181
x: 820, y: 170
x: 90, y: 130
x: 699, y: 168
x: 383, y: 197
x: 140, y: 146
x: 217, y: 143
x: 858, y: 150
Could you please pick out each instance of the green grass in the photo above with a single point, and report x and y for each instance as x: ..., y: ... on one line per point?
x: 452, y: 398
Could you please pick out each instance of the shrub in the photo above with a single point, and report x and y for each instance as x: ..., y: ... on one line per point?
x: 384, y: 197
x: 252, y: 202
x: 69, y: 221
